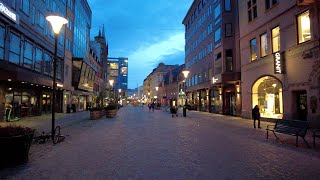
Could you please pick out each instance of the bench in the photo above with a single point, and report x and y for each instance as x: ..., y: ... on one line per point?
x: 290, y: 127
x: 315, y: 133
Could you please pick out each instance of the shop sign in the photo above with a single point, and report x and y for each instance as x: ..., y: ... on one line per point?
x: 8, y: 12
x: 216, y: 79
x: 279, y: 66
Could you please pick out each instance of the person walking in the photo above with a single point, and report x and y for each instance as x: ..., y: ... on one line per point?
x: 256, y: 116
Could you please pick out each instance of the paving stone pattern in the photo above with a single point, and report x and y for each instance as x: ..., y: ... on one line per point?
x: 139, y: 144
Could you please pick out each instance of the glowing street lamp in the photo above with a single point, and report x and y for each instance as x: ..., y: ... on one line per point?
x: 56, y: 22
x: 185, y: 74
x: 111, y: 81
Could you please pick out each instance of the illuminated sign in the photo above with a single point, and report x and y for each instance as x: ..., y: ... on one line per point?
x: 8, y: 12
x: 214, y: 80
x: 279, y: 63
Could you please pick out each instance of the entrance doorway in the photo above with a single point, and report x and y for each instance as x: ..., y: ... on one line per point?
x: 301, y: 105
x: 46, y: 103
x: 230, y: 103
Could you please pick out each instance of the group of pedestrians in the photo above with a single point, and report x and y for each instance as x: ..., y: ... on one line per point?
x: 154, y: 105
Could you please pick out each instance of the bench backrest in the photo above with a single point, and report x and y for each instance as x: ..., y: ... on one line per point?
x: 292, y: 126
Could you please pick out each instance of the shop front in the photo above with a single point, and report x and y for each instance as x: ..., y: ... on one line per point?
x: 215, y: 104
x: 267, y: 94
x: 22, y: 99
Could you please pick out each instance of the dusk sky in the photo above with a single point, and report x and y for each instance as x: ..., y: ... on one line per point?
x: 146, y: 31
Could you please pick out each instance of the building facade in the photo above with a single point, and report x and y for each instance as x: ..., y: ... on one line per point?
x: 26, y: 58
x: 280, y: 67
x: 118, y: 71
x: 211, y: 31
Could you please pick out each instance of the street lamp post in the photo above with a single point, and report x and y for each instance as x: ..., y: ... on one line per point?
x: 111, y: 81
x: 185, y: 74
x: 56, y: 22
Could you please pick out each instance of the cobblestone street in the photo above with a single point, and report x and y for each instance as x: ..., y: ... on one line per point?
x: 139, y: 144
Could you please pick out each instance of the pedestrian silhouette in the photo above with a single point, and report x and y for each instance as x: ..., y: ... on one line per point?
x: 256, y: 116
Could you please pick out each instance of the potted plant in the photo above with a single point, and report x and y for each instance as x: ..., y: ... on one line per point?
x: 95, y: 113
x: 15, y: 142
x: 111, y: 110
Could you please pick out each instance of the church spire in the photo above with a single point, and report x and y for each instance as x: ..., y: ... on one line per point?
x: 103, y: 33
x: 99, y: 32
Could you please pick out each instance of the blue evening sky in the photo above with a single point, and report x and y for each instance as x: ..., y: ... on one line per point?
x: 146, y: 31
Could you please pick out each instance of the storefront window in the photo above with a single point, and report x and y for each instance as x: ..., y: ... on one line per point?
x: 215, y: 101
x: 275, y: 39
x: 267, y: 93
x: 264, y: 44
x: 253, y: 49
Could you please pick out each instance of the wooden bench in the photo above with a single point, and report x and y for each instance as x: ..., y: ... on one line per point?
x: 290, y: 127
x: 315, y: 133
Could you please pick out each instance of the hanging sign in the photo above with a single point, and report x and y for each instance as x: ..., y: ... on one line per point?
x: 5, y: 10
x: 279, y: 66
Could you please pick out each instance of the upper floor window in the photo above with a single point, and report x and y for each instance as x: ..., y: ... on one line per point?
x: 227, y: 5
x: 70, y: 4
x: 28, y: 55
x: 2, y: 35
x: 270, y: 3
x: 228, y: 30
x: 14, y: 53
x: 41, y: 20
x: 217, y: 35
x: 264, y: 44
x: 13, y: 4
x: 253, y: 49
x: 275, y: 39
x: 217, y: 11
x: 25, y: 6
x: 304, y: 32
x: 252, y: 9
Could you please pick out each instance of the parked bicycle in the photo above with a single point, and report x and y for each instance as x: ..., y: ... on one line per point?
x: 44, y: 137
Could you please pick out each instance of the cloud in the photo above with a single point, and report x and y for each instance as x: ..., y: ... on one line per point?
x: 149, y: 55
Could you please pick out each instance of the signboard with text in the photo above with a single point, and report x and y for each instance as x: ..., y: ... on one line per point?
x: 279, y: 63
x: 8, y: 12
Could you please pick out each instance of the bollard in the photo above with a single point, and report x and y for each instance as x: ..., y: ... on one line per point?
x: 184, y: 111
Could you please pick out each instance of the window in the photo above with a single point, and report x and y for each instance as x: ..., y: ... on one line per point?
x: 275, y: 39
x: 47, y: 64
x: 217, y: 11
x: 68, y: 47
x: 264, y: 44
x: 267, y: 94
x: 217, y: 56
x: 14, y: 54
x: 69, y: 24
x: 270, y: 3
x: 2, y: 35
x: 217, y: 35
x: 38, y: 60
x: 209, y: 10
x: 13, y: 4
x: 33, y: 15
x: 229, y: 60
x: 25, y: 6
x: 304, y: 32
x: 227, y: 5
x: 253, y: 49
x: 252, y: 9
x: 28, y: 55
x: 41, y: 20
x: 228, y: 30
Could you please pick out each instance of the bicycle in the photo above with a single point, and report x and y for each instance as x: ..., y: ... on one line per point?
x: 44, y: 137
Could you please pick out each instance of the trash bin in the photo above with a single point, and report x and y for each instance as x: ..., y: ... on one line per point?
x: 184, y: 111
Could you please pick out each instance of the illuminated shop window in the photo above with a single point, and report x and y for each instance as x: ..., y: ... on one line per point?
x: 267, y: 94
x: 304, y: 32
x: 275, y: 39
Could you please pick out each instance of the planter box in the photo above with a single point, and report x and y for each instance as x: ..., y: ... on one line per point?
x: 95, y: 115
x: 15, y: 150
x: 111, y: 113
